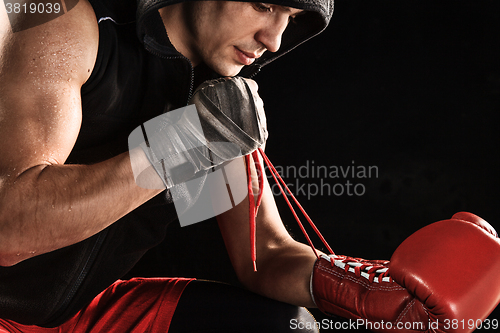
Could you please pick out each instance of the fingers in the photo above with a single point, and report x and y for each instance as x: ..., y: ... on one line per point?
x: 259, y: 104
x: 254, y: 87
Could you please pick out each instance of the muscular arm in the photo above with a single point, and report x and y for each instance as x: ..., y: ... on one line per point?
x: 284, y: 266
x: 45, y: 204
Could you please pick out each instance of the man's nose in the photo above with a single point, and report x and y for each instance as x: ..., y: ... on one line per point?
x: 270, y: 35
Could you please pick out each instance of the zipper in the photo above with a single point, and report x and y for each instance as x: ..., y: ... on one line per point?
x: 161, y: 51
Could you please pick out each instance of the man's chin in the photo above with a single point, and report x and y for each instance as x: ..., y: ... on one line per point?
x: 229, y: 70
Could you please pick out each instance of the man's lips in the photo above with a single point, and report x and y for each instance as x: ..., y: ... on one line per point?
x: 246, y: 58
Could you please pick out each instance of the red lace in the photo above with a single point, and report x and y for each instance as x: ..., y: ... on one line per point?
x: 374, y: 269
x: 253, y: 207
x: 371, y: 268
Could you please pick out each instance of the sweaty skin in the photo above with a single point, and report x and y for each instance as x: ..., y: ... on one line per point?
x: 46, y: 205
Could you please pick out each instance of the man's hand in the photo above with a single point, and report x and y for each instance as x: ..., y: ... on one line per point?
x: 226, y: 121
x: 259, y: 103
x: 231, y: 110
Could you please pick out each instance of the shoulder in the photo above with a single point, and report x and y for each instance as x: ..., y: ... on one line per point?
x: 64, y: 45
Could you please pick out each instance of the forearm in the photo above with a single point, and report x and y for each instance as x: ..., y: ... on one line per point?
x: 284, y: 266
x: 285, y: 274
x: 49, y: 207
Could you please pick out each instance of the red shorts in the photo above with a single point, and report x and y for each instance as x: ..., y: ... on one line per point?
x: 138, y: 305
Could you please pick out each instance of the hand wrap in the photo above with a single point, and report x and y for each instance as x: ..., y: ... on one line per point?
x: 222, y: 123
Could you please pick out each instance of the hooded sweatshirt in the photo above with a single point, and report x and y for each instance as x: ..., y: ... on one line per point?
x: 138, y: 75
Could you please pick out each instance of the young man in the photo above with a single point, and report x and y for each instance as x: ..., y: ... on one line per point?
x: 73, y: 220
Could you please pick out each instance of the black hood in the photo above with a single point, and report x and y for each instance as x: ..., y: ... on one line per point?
x: 316, y: 19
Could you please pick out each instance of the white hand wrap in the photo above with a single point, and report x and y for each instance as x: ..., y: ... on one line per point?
x: 222, y: 124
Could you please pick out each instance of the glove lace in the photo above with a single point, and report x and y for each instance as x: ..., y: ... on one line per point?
x: 373, y: 271
x: 253, y: 207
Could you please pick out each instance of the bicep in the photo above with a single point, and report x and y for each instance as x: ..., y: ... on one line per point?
x: 42, y: 70
x: 37, y: 127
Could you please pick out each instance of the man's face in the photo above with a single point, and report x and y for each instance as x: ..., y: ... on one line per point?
x: 228, y: 35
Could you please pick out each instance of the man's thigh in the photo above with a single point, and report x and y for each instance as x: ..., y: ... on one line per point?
x: 137, y: 305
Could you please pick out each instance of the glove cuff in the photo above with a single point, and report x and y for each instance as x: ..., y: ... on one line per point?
x: 311, y: 292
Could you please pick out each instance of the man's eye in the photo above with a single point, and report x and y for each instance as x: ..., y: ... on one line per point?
x: 263, y: 7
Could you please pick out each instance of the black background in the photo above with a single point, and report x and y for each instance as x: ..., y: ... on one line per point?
x: 412, y: 87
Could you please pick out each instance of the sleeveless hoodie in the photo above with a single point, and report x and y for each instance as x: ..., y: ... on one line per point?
x: 138, y: 75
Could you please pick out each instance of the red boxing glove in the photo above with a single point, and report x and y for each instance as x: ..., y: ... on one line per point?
x: 469, y: 217
x: 443, y: 278
x: 453, y: 268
